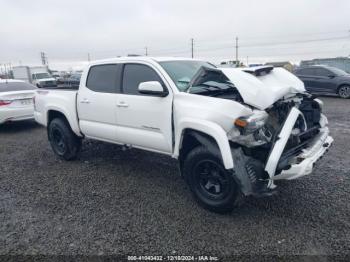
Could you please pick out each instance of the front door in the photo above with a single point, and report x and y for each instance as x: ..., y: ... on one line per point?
x: 144, y: 120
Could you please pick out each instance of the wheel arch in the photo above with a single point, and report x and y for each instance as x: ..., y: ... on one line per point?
x: 192, y: 133
x: 53, y: 112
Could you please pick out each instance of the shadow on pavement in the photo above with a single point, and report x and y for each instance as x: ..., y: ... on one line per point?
x: 20, y: 126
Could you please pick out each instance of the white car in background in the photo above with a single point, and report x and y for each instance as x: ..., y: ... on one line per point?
x: 16, y: 100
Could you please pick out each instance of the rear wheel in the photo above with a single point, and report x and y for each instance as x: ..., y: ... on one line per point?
x: 211, y: 184
x: 63, y: 141
x: 344, y: 91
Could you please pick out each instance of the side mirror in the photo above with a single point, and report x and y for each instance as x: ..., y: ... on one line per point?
x: 331, y: 76
x: 152, y: 88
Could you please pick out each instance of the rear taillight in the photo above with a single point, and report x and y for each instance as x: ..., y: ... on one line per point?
x: 5, y: 102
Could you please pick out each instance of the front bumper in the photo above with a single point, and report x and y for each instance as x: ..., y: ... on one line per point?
x: 307, y: 159
x: 301, y: 164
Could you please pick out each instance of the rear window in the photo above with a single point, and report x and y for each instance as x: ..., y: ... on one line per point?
x: 322, y: 72
x: 15, y: 86
x: 104, y: 78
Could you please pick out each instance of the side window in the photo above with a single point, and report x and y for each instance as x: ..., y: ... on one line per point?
x: 307, y: 72
x: 322, y: 72
x: 104, y: 78
x: 134, y: 74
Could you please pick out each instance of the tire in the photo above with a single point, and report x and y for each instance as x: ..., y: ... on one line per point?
x: 344, y: 91
x: 63, y: 141
x: 213, y: 187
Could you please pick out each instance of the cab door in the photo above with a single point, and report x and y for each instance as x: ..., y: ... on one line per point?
x: 144, y: 121
x: 96, y: 102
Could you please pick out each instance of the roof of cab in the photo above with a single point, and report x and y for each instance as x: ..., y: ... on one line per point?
x: 142, y: 58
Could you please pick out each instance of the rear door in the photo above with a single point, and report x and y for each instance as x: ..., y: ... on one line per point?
x: 96, y: 102
x: 144, y: 121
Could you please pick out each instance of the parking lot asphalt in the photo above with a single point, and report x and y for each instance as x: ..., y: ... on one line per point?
x: 111, y: 201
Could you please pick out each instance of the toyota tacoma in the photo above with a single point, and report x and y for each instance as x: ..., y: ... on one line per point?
x: 234, y: 131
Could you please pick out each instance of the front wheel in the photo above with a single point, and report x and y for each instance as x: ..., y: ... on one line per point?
x: 211, y: 184
x: 63, y: 141
x: 344, y: 91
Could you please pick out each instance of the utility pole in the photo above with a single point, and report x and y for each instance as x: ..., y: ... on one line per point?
x: 146, y: 51
x: 236, y: 51
x: 44, y: 60
x: 88, y: 57
x: 247, y: 62
x: 192, y: 44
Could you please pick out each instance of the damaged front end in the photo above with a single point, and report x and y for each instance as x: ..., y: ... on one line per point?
x: 281, y: 142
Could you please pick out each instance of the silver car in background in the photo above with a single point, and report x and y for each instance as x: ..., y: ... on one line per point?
x: 16, y: 100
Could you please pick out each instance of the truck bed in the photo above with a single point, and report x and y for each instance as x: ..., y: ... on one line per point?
x: 49, y: 100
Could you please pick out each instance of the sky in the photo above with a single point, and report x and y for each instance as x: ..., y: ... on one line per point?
x: 270, y: 30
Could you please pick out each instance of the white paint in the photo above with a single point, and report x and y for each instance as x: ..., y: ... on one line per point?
x: 261, y: 92
x: 157, y: 124
x: 16, y: 110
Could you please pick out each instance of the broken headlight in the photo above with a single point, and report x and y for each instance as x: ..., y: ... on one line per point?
x: 251, y: 131
x: 248, y: 125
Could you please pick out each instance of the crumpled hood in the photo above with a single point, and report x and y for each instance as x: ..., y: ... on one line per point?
x: 262, y: 91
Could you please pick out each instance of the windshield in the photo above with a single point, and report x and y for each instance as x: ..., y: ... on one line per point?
x: 338, y: 71
x: 41, y: 75
x: 181, y: 72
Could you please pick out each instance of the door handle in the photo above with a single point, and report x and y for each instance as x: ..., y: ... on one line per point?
x: 85, y: 101
x: 122, y: 104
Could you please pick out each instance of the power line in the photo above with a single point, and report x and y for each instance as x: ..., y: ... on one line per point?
x: 226, y: 38
x: 275, y: 43
x: 244, y: 44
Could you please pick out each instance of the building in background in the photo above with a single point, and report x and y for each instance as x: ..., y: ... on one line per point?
x: 338, y: 62
x: 285, y: 64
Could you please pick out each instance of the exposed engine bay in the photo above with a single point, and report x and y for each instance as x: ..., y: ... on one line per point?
x: 285, y: 122
x: 306, y: 127
x: 256, y: 145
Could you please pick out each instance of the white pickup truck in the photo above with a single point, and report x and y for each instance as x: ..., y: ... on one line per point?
x: 233, y: 131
